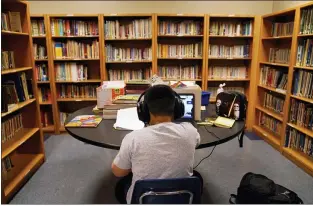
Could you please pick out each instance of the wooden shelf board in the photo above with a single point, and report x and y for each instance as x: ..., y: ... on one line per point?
x: 302, y: 98
x: 18, y: 173
x: 305, y: 35
x: 235, y: 37
x: 4, y: 32
x: 183, y: 58
x: 267, y: 136
x: 275, y: 64
x: 49, y: 128
x: 127, y: 62
x: 10, y: 71
x: 43, y: 82
x: 301, y: 129
x: 277, y: 37
x: 245, y: 58
x: 18, y: 107
x: 75, y: 99
x: 302, y: 67
x: 83, y: 81
x: 45, y: 103
x: 302, y: 160
x: 270, y: 113
x: 86, y: 36
x: 137, y: 39
x: 271, y: 89
x: 39, y: 37
x: 228, y: 80
x: 17, y: 140
x: 76, y: 59
x: 179, y: 35
x: 41, y: 60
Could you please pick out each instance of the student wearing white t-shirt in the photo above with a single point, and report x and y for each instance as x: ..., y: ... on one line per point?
x: 162, y: 150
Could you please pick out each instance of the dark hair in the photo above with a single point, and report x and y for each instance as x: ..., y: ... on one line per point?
x: 160, y: 100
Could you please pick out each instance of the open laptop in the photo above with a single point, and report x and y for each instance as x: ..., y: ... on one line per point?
x: 188, y: 100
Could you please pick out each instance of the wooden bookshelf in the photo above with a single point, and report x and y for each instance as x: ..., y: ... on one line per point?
x: 245, y: 62
x: 25, y: 147
x: 287, y: 41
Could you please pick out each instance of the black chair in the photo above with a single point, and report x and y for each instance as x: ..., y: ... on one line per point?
x: 167, y: 191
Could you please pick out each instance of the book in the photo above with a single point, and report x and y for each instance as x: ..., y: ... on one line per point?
x: 117, y: 54
x: 71, y: 71
x: 224, y: 122
x: 179, y: 72
x: 303, y: 83
x: 301, y: 114
x: 40, y: 51
x: 282, y: 29
x: 7, y: 60
x: 227, y: 28
x: 298, y: 141
x: 69, y: 27
x: 77, y: 91
x: 273, y: 103
x: 228, y: 72
x: 63, y: 117
x: 180, y: 28
x: 225, y: 51
x: 130, y: 74
x: 306, y: 21
x: 126, y: 99
x: 38, y: 27
x: 46, y: 118
x: 85, y: 121
x: 71, y: 49
x: 270, y: 123
x: 15, y: 21
x: 278, y: 55
x: 180, y: 51
x: 11, y: 127
x: 44, y: 94
x: 41, y: 71
x: 305, y: 53
x: 274, y: 78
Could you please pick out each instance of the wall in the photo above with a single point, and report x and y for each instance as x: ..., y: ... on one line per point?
x: 108, y: 7
x: 281, y: 5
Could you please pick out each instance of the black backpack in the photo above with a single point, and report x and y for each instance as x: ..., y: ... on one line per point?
x: 231, y: 105
x: 258, y: 189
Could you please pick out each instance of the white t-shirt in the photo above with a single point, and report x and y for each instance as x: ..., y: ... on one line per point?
x: 165, y: 150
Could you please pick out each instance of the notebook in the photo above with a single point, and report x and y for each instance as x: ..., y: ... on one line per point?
x: 85, y: 121
x: 224, y: 122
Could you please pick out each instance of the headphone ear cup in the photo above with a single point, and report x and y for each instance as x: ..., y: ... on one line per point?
x: 179, y: 108
x: 143, y: 112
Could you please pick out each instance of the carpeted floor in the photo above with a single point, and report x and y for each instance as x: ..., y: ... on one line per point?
x: 77, y: 173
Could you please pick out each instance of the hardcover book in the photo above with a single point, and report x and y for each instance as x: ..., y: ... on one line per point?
x: 85, y: 121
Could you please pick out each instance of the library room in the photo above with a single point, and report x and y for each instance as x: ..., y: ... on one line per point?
x: 156, y: 102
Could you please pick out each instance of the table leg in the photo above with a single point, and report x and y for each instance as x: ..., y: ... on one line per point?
x: 241, y: 138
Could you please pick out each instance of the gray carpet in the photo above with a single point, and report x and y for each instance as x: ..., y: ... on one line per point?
x: 77, y: 173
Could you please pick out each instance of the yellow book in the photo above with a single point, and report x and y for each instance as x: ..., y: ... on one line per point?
x: 224, y: 122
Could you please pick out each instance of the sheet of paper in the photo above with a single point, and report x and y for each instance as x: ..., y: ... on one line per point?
x: 127, y: 119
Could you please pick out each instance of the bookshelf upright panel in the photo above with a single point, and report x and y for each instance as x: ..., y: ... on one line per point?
x: 76, y: 65
x: 21, y: 135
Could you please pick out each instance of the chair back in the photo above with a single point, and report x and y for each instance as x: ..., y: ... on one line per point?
x: 167, y: 191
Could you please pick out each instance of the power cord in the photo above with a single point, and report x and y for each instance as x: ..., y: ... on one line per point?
x: 212, y: 149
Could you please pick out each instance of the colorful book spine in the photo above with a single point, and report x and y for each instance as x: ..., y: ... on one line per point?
x: 11, y: 127
x: 136, y: 29
x: 180, y: 51
x: 305, y: 53
x: 228, y: 72
x: 303, y: 84
x: 282, y: 29
x: 273, y: 103
x: 46, y: 118
x: 278, y: 55
x: 38, y: 27
x: 127, y: 54
x: 226, y: 28
x: 224, y: 51
x: 301, y: 114
x: 67, y: 27
x: 77, y: 91
x: 129, y: 74
x: 63, y: 117
x: 41, y: 71
x: 7, y: 60
x: 44, y: 94
x: 274, y: 78
x: 306, y: 21
x: 76, y: 50
x: 179, y: 72
x: 72, y: 71
x: 39, y: 51
x: 299, y: 141
x: 270, y: 123
x: 186, y: 27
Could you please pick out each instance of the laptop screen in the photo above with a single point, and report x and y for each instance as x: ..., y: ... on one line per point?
x: 188, y: 100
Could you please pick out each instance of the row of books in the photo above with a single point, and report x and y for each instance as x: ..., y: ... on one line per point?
x: 278, y: 55
x: 11, y: 21
x: 225, y: 28
x: 303, y: 84
x: 41, y: 71
x: 127, y: 54
x: 282, y: 29
x: 46, y: 118
x: 180, y: 51
x: 273, y: 102
x: 136, y: 29
x: 40, y: 52
x: 224, y: 51
x: 44, y: 94
x: 38, y: 27
x: 306, y: 21
x: 15, y: 89
x: 129, y: 74
x: 301, y: 114
x: 305, y: 53
x: 10, y: 127
x: 7, y: 60
x: 272, y: 77
x: 71, y: 71
x: 213, y: 90
x: 63, y: 117
x: 179, y: 72
x: 6, y: 166
x: 270, y: 123
x: 228, y: 72
x: 77, y: 91
x: 67, y: 27
x: 299, y: 141
x: 74, y: 49
x: 186, y: 27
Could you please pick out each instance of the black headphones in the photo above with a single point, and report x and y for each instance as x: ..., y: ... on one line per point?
x: 143, y: 110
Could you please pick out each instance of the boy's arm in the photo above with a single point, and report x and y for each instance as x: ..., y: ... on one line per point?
x: 121, y: 165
